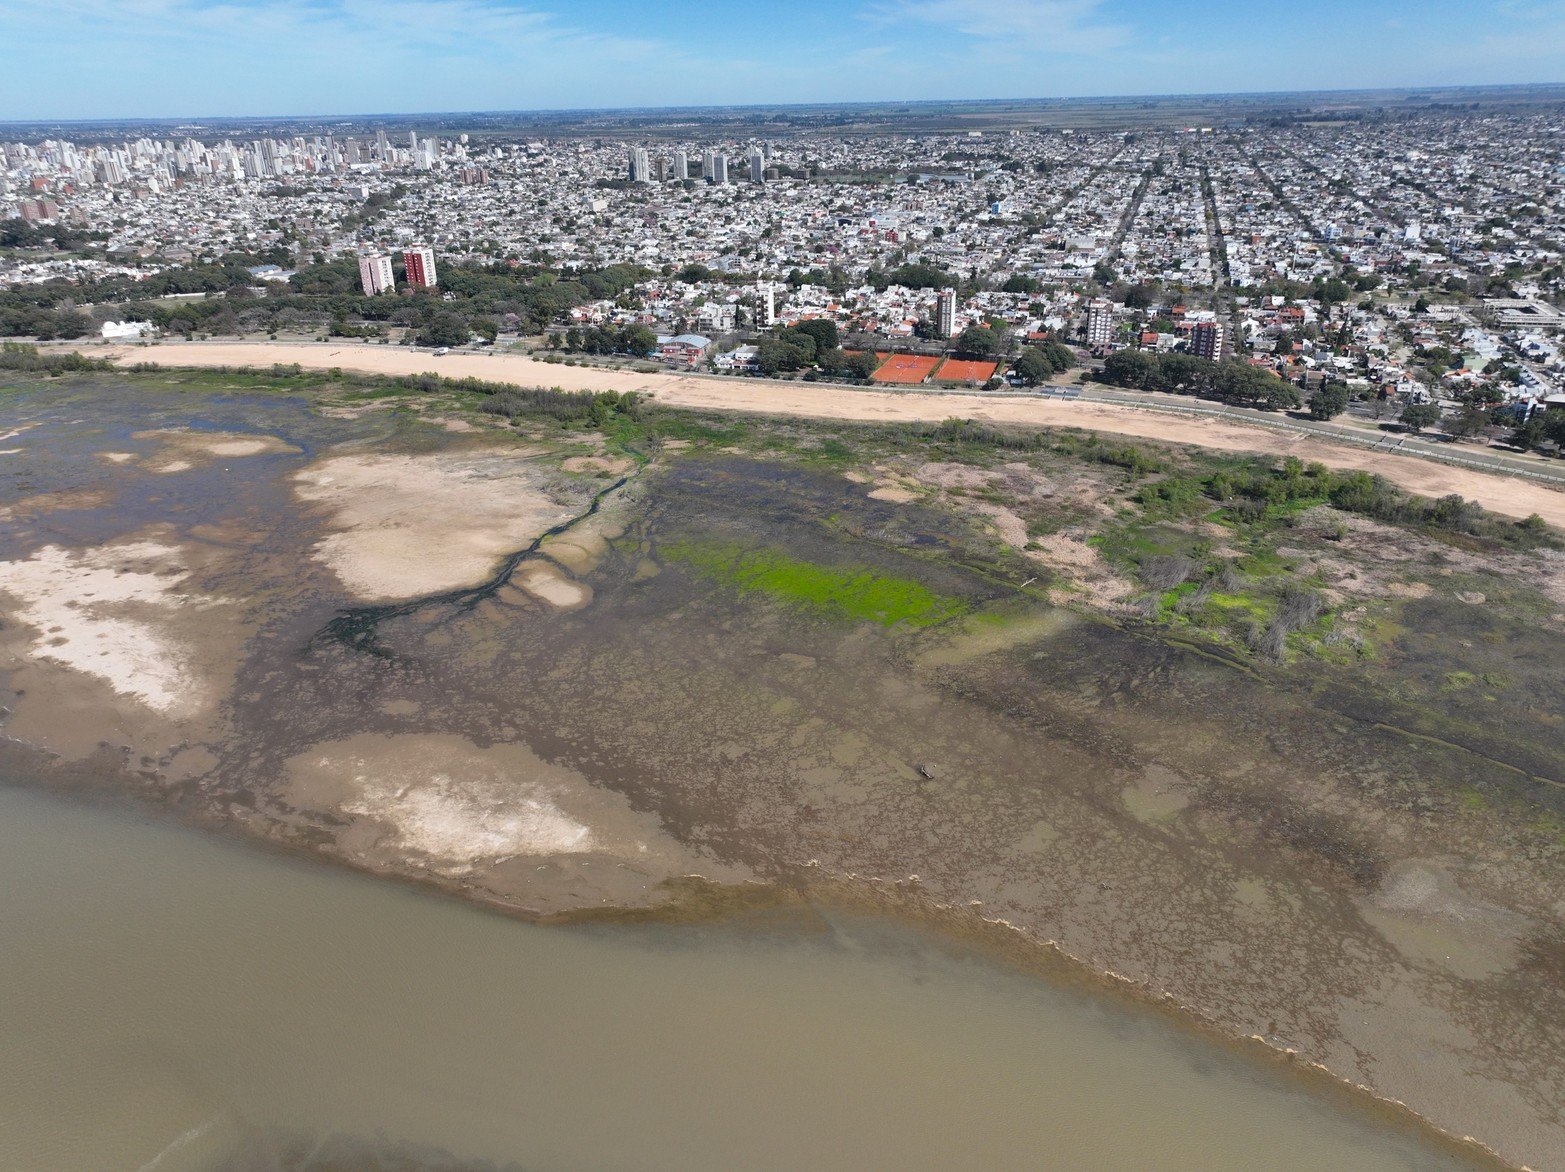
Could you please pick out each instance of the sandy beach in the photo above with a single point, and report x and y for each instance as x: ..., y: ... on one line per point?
x: 1511, y: 496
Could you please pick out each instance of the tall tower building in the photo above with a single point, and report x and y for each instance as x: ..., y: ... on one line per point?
x: 767, y: 311
x: 757, y: 162
x: 1206, y: 340
x: 945, y: 313
x: 1100, y: 324
x: 640, y: 168
x: 681, y: 166
x: 375, y: 273
x: 720, y: 168
x: 419, y: 262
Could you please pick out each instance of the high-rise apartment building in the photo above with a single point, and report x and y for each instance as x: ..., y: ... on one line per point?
x: 1100, y: 324
x: 681, y: 166
x: 640, y: 168
x: 767, y: 311
x: 1206, y: 340
x: 945, y: 313
x: 419, y: 264
x: 757, y: 162
x: 375, y: 273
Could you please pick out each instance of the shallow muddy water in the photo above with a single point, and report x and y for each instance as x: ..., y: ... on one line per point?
x: 176, y: 1002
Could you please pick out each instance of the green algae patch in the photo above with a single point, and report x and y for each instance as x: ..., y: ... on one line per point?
x: 854, y: 593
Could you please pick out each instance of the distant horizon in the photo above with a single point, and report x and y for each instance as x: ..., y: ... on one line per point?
x: 858, y: 103
x: 164, y: 59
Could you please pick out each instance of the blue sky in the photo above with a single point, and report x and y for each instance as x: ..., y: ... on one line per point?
x: 183, y: 58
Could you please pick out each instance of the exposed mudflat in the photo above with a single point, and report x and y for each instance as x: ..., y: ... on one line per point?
x: 404, y: 526
x: 396, y: 647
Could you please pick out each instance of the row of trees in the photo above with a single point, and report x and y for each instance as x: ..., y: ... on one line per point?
x: 637, y: 340
x: 812, y: 344
x: 1185, y: 374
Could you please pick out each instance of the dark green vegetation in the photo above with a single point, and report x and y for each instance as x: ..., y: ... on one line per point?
x: 20, y: 356
x: 1544, y: 432
x: 1036, y: 364
x: 1185, y: 374
x: 322, y: 296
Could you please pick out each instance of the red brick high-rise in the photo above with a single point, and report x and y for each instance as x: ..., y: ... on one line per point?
x: 419, y: 264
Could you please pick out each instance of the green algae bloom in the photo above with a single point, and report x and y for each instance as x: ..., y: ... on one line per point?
x: 853, y: 593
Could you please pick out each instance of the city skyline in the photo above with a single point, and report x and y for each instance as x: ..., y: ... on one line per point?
x: 285, y: 58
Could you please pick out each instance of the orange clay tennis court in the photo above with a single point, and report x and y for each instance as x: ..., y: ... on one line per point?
x: 961, y: 370
x: 906, y: 368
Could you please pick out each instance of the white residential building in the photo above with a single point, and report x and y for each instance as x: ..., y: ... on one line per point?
x: 375, y: 273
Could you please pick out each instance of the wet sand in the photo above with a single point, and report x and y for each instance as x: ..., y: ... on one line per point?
x: 1511, y: 496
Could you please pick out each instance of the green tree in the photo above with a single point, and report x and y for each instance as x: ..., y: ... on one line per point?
x: 1138, y: 297
x: 1032, y: 366
x: 1467, y: 422
x: 1130, y: 368
x: 824, y: 333
x: 444, y: 329
x: 1329, y: 401
x: 862, y: 365
x: 979, y: 341
x: 1238, y: 382
x: 640, y: 341
x: 1417, y: 416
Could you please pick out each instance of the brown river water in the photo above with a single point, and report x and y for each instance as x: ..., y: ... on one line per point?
x: 175, y: 1001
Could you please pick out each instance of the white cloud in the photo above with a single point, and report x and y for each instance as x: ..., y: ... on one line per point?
x: 179, y: 57
x: 1060, y: 26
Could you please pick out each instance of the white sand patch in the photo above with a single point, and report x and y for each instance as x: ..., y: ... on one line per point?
x: 439, y: 819
x: 414, y: 525
x: 98, y: 611
x: 117, y: 457
x: 548, y: 584
x: 446, y: 805
x: 180, y: 450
